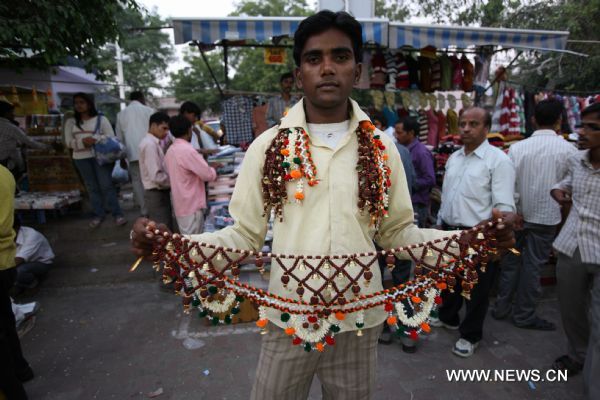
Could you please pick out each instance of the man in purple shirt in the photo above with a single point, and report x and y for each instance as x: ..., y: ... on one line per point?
x: 406, y: 132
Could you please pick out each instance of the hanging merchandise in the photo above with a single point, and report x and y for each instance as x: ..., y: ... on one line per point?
x: 364, y: 82
x: 483, y: 60
x: 452, y: 118
x: 446, y: 72
x: 402, y: 78
x: 15, y: 97
x: 425, y: 68
x: 467, y: 70
x: 390, y: 63
x: 326, y: 292
x: 378, y: 74
x: 237, y: 119
x: 457, y: 77
x: 413, y: 71
x: 436, y: 75
x: 432, y: 127
x: 423, y: 127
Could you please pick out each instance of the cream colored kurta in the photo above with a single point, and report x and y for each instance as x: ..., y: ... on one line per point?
x: 328, y: 221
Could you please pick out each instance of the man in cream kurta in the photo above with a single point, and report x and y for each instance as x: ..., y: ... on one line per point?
x: 328, y: 221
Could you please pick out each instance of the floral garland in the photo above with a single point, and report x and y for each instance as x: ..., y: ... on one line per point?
x: 288, y: 159
x: 440, y: 264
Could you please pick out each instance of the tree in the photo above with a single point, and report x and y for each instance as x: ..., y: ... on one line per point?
x: 146, y: 50
x: 53, y: 30
x: 272, y: 8
x: 194, y: 82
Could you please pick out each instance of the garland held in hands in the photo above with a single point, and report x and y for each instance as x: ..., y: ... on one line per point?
x: 328, y: 287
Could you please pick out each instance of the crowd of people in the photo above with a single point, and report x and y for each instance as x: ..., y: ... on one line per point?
x: 540, y: 182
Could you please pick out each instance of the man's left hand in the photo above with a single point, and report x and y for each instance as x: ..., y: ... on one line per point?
x: 504, y: 231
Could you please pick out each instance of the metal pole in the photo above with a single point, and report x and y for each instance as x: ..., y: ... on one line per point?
x: 212, y: 74
x: 120, y: 76
x: 225, y: 66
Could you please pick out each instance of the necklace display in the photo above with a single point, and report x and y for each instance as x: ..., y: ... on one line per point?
x: 328, y: 288
x: 288, y: 159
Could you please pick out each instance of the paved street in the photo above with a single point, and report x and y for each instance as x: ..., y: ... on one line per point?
x: 105, y: 333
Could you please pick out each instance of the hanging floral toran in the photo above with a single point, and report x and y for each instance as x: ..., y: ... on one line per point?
x: 324, y: 290
x: 288, y: 159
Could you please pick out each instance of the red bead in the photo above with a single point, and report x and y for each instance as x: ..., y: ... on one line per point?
x: 312, y: 319
x: 389, y: 307
x: 438, y: 300
x: 413, y: 334
x: 330, y: 340
x: 296, y: 341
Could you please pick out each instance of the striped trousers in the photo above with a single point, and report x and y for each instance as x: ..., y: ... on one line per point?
x: 346, y: 370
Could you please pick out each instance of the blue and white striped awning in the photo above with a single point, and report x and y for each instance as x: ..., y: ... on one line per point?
x: 439, y: 36
x: 212, y: 30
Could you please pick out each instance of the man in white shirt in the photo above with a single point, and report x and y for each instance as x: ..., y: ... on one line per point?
x: 479, y: 177
x: 34, y: 257
x: 540, y: 162
x: 132, y: 126
x: 157, y: 190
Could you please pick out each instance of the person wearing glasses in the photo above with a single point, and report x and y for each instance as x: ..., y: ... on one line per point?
x: 578, y: 247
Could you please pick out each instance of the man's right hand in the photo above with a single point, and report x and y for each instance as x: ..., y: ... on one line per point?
x: 562, y: 197
x: 143, y: 237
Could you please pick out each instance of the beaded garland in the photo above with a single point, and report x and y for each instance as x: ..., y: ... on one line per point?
x: 328, y: 286
x: 288, y: 159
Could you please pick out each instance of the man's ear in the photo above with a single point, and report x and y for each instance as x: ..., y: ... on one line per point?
x: 358, y: 72
x: 298, y: 78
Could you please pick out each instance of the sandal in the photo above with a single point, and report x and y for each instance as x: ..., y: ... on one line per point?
x: 566, y: 363
x: 95, y: 223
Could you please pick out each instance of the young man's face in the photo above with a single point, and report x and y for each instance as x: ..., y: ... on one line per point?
x: 403, y: 137
x: 287, y: 84
x: 472, y: 126
x: 192, y: 117
x: 159, y: 130
x: 589, y: 134
x: 327, y: 69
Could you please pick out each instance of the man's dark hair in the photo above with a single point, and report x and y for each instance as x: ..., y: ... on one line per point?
x: 136, y: 95
x: 158, y: 118
x: 5, y: 108
x: 593, y: 108
x: 190, y: 107
x: 179, y: 126
x: 324, y: 20
x: 410, y: 124
x: 285, y: 76
x: 548, y: 112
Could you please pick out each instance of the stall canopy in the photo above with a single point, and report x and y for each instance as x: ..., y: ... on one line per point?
x: 211, y: 30
x: 378, y: 31
x: 440, y: 36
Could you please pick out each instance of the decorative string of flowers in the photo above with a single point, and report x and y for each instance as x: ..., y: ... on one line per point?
x: 207, y: 278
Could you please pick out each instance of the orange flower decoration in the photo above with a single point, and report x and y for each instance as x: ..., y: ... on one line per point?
x: 392, y: 321
x: 426, y: 328
x: 285, y: 152
x: 296, y: 174
x: 290, y: 331
x: 299, y: 196
x: 416, y: 299
x: 366, y: 125
x: 320, y: 347
x: 442, y: 285
x: 261, y: 323
x: 340, y: 316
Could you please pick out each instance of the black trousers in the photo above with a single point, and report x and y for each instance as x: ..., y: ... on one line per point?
x: 471, y: 327
x: 12, y: 362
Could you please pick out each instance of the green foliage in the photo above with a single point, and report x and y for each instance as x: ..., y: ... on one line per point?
x: 272, y: 8
x: 394, y: 10
x: 146, y: 52
x: 53, y: 30
x: 194, y: 82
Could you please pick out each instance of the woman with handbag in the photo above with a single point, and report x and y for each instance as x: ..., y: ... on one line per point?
x: 81, y: 134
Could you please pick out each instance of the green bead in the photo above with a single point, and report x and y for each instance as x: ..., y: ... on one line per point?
x: 227, y: 319
x: 360, y: 325
x: 203, y: 313
x: 235, y: 310
x: 400, y: 333
x: 297, y: 160
x: 335, y: 328
x: 307, y: 347
x: 285, y: 317
x: 376, y: 136
x: 239, y: 299
x: 285, y: 164
x: 434, y: 314
x: 213, y: 290
x: 195, y: 302
x: 214, y: 321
